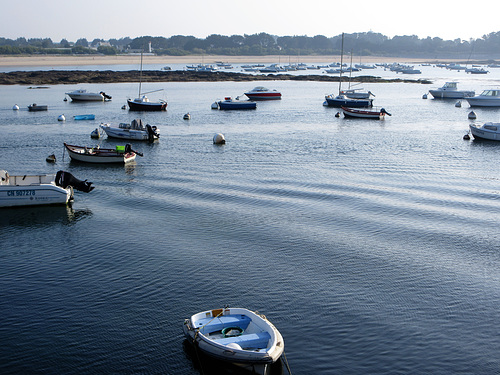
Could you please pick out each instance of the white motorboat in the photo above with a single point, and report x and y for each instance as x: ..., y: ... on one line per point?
x: 488, y: 98
x: 134, y: 131
x: 82, y: 95
x: 450, y: 91
x: 120, y: 154
x: 40, y: 189
x: 239, y: 336
x: 489, y: 131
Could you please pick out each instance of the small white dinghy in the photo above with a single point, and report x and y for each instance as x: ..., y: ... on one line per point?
x: 240, y: 336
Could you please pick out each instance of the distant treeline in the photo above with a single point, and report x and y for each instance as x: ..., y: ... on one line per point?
x: 359, y: 44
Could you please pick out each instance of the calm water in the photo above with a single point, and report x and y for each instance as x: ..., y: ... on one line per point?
x: 373, y: 246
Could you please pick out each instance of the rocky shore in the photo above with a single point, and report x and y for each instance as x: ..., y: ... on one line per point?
x: 61, y: 77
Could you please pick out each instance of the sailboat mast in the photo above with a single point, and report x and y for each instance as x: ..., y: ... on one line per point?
x: 140, y: 77
x: 341, y: 63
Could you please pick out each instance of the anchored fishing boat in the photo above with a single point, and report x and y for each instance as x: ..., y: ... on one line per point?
x: 120, y: 154
x: 39, y: 189
x: 371, y: 113
x: 237, y: 335
x: 136, y: 131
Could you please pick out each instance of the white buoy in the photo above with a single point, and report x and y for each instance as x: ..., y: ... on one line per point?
x: 472, y: 115
x: 61, y: 118
x: 424, y: 96
x: 458, y: 104
x: 219, y: 139
x: 16, y: 107
x: 215, y: 105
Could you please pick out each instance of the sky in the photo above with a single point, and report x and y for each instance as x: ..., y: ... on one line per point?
x: 107, y: 19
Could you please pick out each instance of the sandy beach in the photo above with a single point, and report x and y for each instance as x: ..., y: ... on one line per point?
x: 74, y: 60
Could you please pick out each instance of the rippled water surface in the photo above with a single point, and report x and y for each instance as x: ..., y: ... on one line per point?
x: 373, y: 246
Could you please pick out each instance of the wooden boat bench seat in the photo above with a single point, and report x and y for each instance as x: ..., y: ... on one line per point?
x: 209, y: 325
x: 257, y: 340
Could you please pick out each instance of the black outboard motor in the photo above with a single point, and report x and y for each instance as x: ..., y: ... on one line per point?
x: 106, y: 97
x: 382, y: 110
x: 152, y: 133
x: 65, y: 179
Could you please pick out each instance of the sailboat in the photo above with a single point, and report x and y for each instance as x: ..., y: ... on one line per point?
x: 342, y: 100
x: 142, y: 102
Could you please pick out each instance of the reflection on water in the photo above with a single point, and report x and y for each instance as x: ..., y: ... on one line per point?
x: 40, y: 216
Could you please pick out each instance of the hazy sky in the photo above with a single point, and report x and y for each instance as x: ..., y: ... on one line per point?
x: 108, y: 19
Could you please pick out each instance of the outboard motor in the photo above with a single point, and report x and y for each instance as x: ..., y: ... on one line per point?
x: 382, y: 110
x: 107, y: 97
x: 65, y: 179
x: 152, y: 133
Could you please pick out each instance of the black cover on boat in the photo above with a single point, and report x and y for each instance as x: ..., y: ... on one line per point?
x: 65, y: 179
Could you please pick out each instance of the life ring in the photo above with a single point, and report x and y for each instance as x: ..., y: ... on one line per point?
x: 232, y: 331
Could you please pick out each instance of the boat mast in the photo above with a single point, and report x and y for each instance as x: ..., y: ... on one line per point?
x: 140, y: 76
x: 341, y: 63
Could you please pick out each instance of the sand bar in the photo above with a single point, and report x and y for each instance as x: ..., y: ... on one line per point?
x: 75, y: 60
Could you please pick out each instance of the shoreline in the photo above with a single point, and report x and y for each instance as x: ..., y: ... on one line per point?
x: 74, y: 60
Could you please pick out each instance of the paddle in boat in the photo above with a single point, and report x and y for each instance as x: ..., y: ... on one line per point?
x: 229, y: 104
x: 136, y: 131
x: 236, y: 335
x: 263, y: 93
x: 39, y: 189
x: 372, y: 113
x: 488, y: 131
x: 120, y: 154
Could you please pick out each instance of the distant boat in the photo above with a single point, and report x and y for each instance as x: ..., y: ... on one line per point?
x: 230, y: 104
x: 36, y: 108
x: 488, y: 131
x: 84, y: 117
x: 450, y: 91
x: 475, y: 70
x: 263, y: 93
x: 82, y: 95
x: 142, y: 102
x: 488, y: 98
x: 40, y: 189
x: 356, y: 93
x: 121, y: 154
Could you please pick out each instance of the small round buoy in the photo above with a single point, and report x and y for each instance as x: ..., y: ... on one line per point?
x: 466, y: 137
x: 95, y: 133
x: 65, y: 99
x: 424, y: 96
x: 219, y: 139
x: 124, y: 107
x: 472, y: 115
x: 16, y: 107
x: 61, y: 118
x: 337, y: 114
x: 215, y: 105
x: 51, y: 158
x: 187, y: 116
x: 458, y: 104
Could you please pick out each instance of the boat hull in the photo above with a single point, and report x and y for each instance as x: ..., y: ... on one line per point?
x: 261, y: 344
x: 226, y: 105
x: 483, y: 102
x: 346, y: 102
x: 33, y: 191
x: 147, y: 106
x: 98, y: 156
x: 441, y: 94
